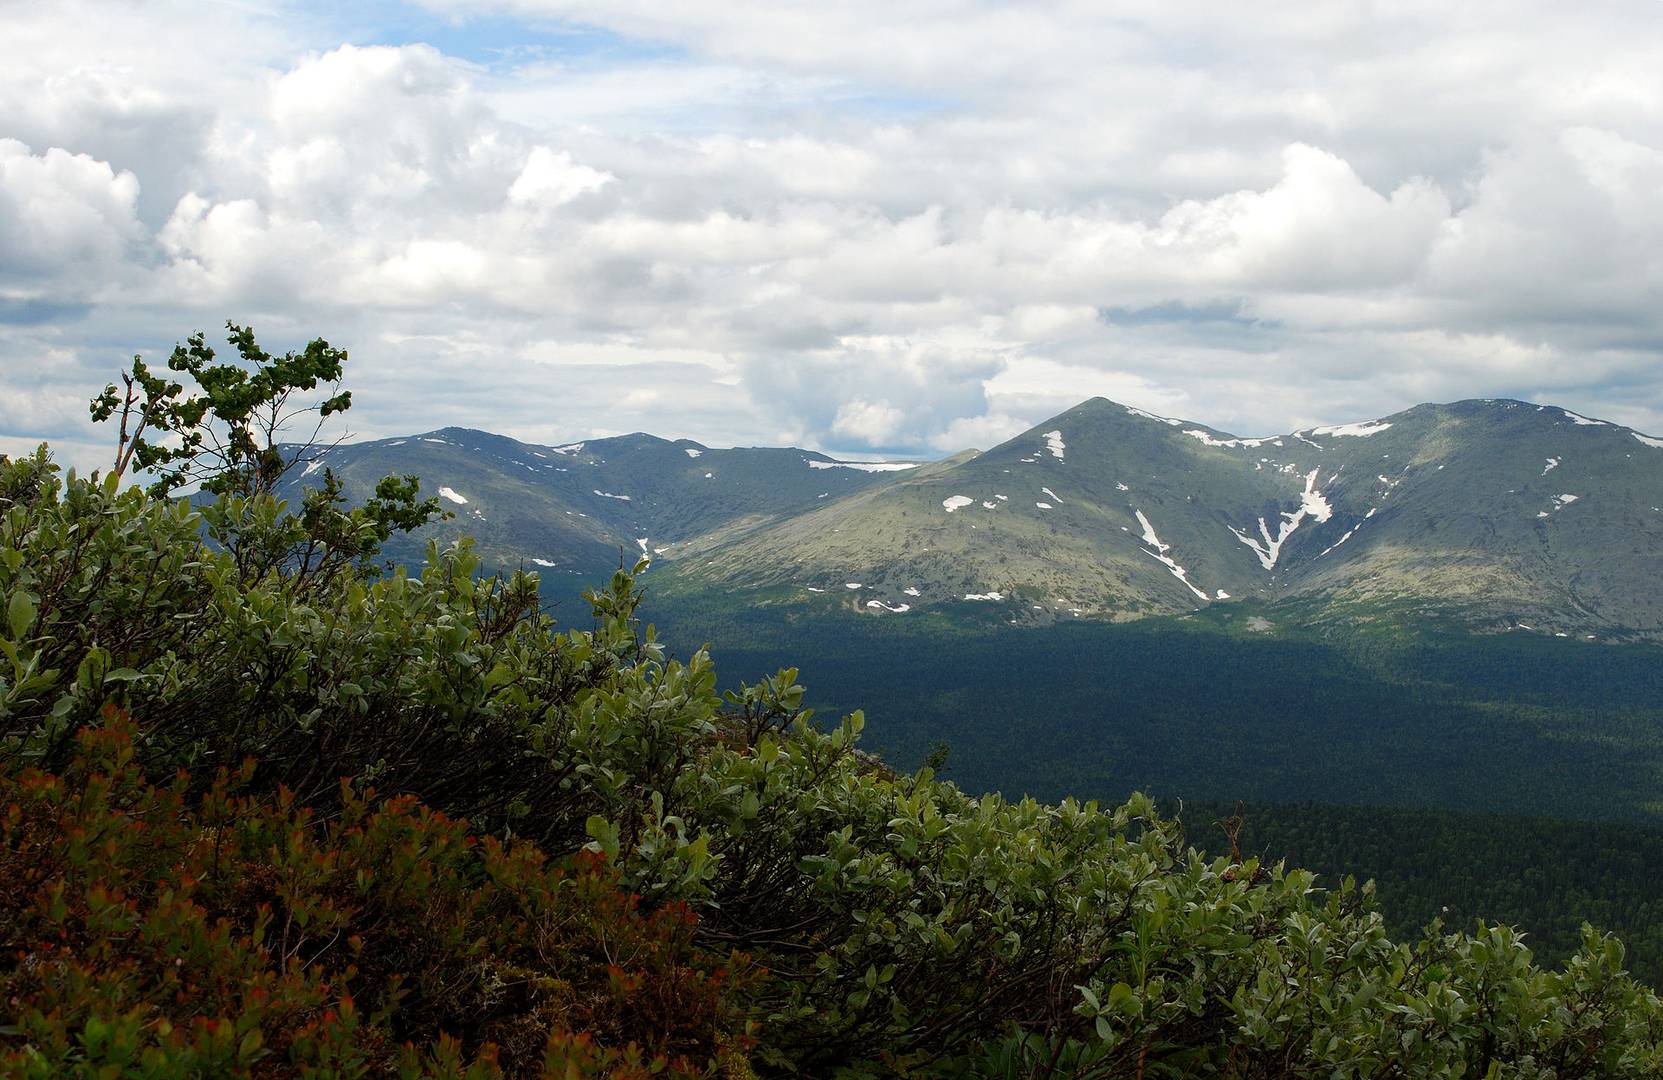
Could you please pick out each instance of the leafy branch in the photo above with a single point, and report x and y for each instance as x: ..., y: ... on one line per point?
x: 224, y: 431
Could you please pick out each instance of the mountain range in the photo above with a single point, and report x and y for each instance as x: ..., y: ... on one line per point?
x: 1505, y: 515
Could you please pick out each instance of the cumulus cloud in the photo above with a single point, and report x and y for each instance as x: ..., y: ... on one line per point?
x: 67, y: 221
x: 879, y: 392
x: 863, y: 227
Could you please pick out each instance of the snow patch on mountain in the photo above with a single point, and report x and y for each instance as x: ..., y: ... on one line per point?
x: 1583, y: 421
x: 1151, y: 416
x: 453, y: 496
x: 1054, y: 443
x: 1048, y: 491
x: 863, y: 466
x: 609, y: 495
x: 1160, y: 555
x: 1648, y: 440
x: 956, y: 502
x: 897, y: 608
x: 1360, y: 430
x: 690, y: 452
x: 1338, y: 542
x: 1149, y: 536
x: 1197, y: 433
x: 1553, y: 463
x: 984, y: 596
x: 1312, y: 504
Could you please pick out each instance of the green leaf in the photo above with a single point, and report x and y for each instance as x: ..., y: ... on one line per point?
x: 603, y: 835
x: 20, y: 613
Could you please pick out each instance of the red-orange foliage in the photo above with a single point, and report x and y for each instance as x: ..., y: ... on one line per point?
x: 141, y: 935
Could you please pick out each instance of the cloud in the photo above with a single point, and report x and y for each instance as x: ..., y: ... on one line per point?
x: 1319, y: 228
x: 877, y: 392
x: 873, y: 423
x: 67, y: 221
x: 552, y: 178
x: 864, y: 227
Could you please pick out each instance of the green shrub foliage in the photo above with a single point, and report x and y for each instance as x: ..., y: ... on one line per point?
x: 377, y: 792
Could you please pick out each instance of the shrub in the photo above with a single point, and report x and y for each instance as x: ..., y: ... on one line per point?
x: 150, y: 934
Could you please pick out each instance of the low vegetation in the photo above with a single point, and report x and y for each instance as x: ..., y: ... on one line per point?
x: 262, y: 820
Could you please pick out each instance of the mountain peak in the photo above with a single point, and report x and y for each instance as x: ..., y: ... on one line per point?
x: 1516, y: 511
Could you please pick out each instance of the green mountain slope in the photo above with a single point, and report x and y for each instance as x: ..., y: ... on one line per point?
x: 579, y: 508
x: 1505, y: 513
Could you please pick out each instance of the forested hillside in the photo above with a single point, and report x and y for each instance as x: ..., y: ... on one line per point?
x: 1418, y: 714
x: 271, y: 810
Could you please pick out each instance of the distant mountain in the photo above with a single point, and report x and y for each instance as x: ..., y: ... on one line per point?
x: 579, y: 508
x: 1503, y: 513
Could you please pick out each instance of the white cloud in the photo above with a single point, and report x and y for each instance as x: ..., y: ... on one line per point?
x: 875, y: 423
x: 67, y: 221
x: 551, y: 178
x: 862, y: 226
x: 1318, y: 228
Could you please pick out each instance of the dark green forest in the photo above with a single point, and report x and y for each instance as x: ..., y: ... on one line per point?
x: 1546, y: 876
x: 1198, y: 708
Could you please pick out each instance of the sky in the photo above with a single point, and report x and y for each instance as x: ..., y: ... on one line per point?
x: 869, y: 228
